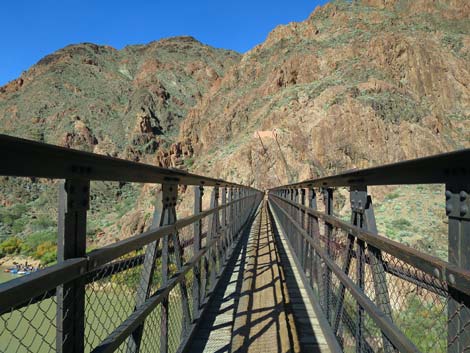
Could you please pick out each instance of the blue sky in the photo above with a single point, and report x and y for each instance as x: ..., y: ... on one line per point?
x: 32, y: 29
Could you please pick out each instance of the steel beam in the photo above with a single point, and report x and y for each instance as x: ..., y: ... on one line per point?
x: 214, y: 225
x: 197, y: 231
x: 74, y: 202
x: 455, y: 276
x: 27, y: 158
x: 458, y: 211
x: 438, y: 169
x: 328, y: 203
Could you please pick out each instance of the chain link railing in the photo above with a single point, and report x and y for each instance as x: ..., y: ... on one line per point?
x: 377, y: 295
x: 142, y: 294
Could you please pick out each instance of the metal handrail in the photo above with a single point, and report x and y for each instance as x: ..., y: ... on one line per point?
x: 22, y: 289
x: 119, y: 335
x: 427, y: 170
x: 433, y: 266
x: 392, y: 332
x: 110, y: 252
x: 25, y: 158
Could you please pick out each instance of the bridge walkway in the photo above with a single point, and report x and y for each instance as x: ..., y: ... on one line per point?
x: 259, y: 305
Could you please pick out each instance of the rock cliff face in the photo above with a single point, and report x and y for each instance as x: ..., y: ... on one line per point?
x: 356, y: 84
x: 125, y: 103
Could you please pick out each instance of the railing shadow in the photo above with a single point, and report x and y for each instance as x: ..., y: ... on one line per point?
x: 236, y: 264
x: 305, y: 329
x: 254, y: 321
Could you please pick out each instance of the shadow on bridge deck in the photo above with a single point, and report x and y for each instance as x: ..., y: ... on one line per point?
x: 258, y: 305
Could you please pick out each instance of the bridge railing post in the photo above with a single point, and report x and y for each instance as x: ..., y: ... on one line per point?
x: 296, y: 215
x: 74, y: 198
x: 303, y: 242
x: 234, y: 212
x: 146, y: 276
x: 214, y: 224
x: 358, y: 220
x: 314, y: 231
x: 328, y: 202
x: 230, y: 215
x: 225, y: 242
x: 197, y: 231
x: 291, y: 213
x: 458, y: 212
x: 239, y: 210
x: 379, y: 278
x: 164, y: 214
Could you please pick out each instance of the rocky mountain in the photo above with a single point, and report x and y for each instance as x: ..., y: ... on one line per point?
x: 358, y: 83
x: 124, y: 103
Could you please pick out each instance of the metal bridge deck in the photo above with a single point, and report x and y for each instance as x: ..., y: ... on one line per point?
x: 259, y: 305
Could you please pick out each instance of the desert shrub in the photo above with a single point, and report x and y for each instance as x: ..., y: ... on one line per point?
x: 460, y: 116
x: 453, y: 42
x: 10, y: 246
x: 346, y: 38
x: 9, y: 215
x: 34, y: 240
x: 401, y: 223
x: 42, y: 222
x: 418, y: 314
x: 19, y: 225
x: 189, y: 162
x: 46, y: 252
x: 93, y: 228
x: 392, y: 196
x: 393, y: 107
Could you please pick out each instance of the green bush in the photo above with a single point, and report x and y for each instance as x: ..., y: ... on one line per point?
x: 93, y: 229
x: 9, y: 215
x: 419, y: 314
x: 46, y: 252
x: 453, y: 42
x: 392, y: 196
x: 189, y: 162
x: 19, y: 225
x: 11, y: 246
x: 34, y: 240
x: 401, y: 223
x: 42, y: 222
x: 393, y: 107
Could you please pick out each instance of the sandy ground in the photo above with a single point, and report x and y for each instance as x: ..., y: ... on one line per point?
x: 9, y: 261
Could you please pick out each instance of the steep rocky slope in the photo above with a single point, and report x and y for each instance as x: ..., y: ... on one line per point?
x: 356, y: 84
x: 123, y: 103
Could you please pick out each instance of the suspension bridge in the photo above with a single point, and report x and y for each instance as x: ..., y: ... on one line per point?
x: 255, y: 271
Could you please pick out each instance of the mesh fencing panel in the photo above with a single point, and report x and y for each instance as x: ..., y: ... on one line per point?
x: 113, y: 292
x: 110, y: 297
x: 30, y: 328
x: 420, y: 305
